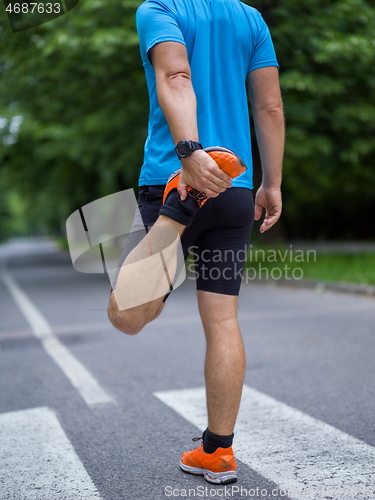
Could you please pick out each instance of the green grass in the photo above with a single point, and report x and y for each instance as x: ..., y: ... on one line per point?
x: 326, y: 267
x: 62, y: 242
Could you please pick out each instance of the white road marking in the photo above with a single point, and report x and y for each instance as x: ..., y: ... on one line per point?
x: 38, y: 461
x: 79, y: 376
x: 305, y: 457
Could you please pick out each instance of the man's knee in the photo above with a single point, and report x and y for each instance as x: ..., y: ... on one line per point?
x: 131, y: 321
x: 123, y: 323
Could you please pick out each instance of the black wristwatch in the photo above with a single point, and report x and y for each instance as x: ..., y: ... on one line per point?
x: 185, y: 148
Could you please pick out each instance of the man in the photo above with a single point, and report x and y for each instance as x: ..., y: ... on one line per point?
x: 198, y: 55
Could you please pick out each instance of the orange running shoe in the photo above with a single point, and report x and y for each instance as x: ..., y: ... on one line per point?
x: 227, y: 160
x: 217, y: 468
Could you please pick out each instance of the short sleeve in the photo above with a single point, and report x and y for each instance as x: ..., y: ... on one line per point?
x: 156, y: 23
x: 264, y: 52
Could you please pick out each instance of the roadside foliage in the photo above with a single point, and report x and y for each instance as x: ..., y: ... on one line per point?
x: 73, y: 114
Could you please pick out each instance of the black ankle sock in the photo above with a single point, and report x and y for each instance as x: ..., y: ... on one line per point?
x: 182, y: 212
x: 211, y: 441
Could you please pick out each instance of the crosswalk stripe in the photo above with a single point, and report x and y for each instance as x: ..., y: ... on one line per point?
x: 37, y: 459
x: 79, y: 376
x: 305, y: 457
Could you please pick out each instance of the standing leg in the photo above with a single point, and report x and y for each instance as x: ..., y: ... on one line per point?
x: 224, y: 373
x: 225, y: 360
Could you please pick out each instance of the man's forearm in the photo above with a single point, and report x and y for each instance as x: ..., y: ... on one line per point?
x: 178, y: 102
x: 270, y: 131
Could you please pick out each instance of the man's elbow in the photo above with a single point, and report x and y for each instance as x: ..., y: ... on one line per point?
x: 273, y: 111
x: 178, y: 79
x: 185, y: 75
x: 173, y: 77
x: 173, y: 84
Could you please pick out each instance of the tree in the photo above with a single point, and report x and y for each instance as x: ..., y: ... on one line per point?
x: 326, y: 53
x: 78, y: 83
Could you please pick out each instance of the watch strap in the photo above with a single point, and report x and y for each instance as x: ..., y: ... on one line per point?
x: 188, y: 146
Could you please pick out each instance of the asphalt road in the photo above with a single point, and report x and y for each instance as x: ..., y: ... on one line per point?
x: 313, y: 351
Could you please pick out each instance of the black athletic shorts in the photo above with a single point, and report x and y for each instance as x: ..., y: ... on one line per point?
x: 217, y: 239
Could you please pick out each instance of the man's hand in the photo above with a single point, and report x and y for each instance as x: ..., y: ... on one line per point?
x: 270, y: 200
x: 201, y: 172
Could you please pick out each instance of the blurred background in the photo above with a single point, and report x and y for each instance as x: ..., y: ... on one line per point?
x: 74, y: 105
x: 73, y: 121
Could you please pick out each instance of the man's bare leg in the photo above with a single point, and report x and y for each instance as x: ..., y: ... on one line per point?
x: 225, y: 360
x: 137, y: 280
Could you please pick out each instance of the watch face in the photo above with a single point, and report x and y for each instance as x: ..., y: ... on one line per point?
x: 184, y: 148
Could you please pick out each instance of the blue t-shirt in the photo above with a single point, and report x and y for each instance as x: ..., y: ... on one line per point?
x: 225, y: 40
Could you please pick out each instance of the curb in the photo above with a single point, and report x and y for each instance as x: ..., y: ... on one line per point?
x: 321, y: 286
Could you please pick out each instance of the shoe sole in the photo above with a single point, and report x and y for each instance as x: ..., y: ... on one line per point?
x: 228, y: 161
x: 226, y: 477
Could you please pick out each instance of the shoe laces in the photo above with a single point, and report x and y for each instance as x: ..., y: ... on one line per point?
x: 198, y: 197
x: 197, y: 439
